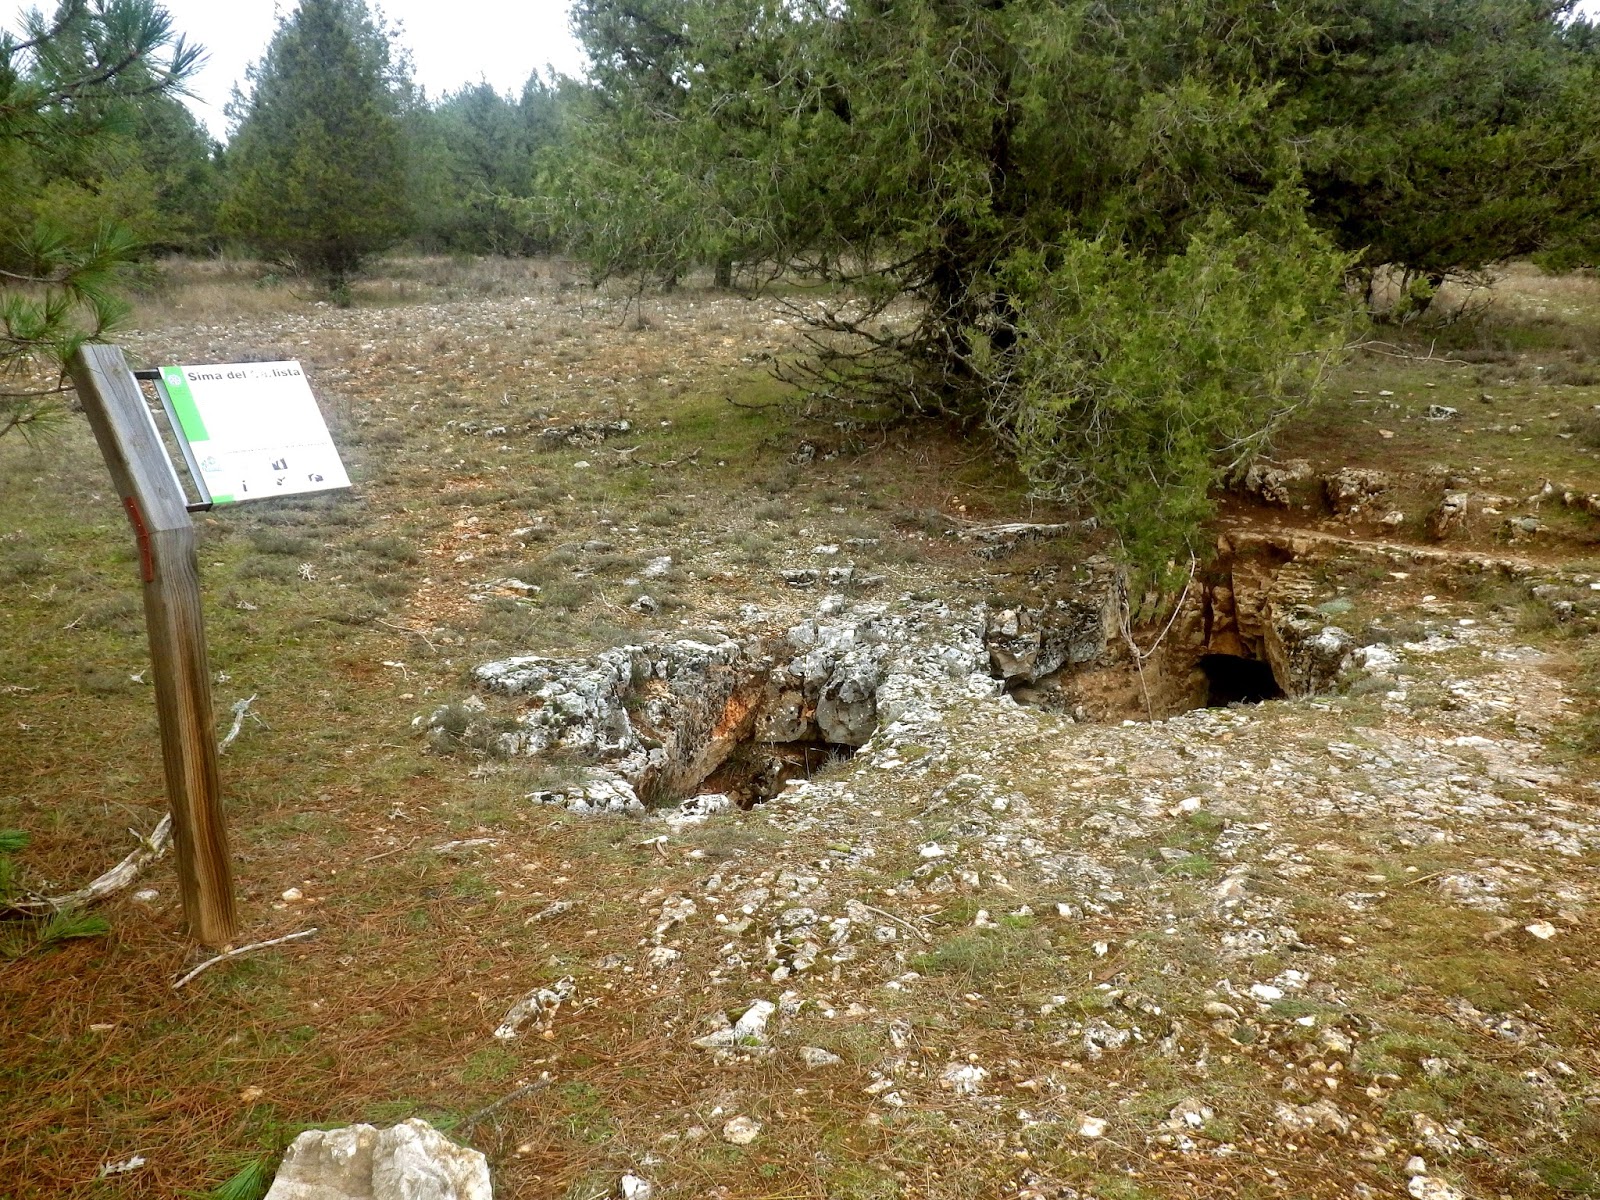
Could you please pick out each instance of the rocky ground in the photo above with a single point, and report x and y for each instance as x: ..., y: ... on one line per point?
x: 695, y: 799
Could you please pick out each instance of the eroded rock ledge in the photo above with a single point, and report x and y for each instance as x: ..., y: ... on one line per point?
x: 727, y: 718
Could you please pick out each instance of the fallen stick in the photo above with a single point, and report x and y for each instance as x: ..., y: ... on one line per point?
x: 114, y: 880
x: 150, y: 848
x: 490, y: 1109
x: 240, y: 708
x: 407, y: 629
x: 374, y: 858
x: 227, y: 954
x: 899, y: 921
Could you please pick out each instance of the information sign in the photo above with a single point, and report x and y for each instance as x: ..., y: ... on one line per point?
x: 255, y: 430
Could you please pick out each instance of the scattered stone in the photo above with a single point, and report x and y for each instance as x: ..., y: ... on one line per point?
x: 1542, y: 930
x: 1092, y: 1127
x: 412, y: 1161
x: 964, y: 1079
x: 1424, y: 1187
x: 815, y: 1056
x: 582, y: 433
x: 539, y: 1006
x: 741, y: 1131
x: 1323, y: 1116
x: 657, y: 568
x: 635, y: 1188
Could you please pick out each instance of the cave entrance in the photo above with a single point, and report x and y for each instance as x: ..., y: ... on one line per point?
x: 757, y: 771
x: 1234, y: 679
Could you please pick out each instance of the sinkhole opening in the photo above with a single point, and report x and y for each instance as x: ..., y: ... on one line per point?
x: 1234, y: 679
x: 755, y: 771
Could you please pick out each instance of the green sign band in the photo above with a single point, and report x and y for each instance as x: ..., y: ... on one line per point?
x: 194, y: 429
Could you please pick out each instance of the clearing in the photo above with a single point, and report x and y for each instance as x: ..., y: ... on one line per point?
x: 1022, y: 940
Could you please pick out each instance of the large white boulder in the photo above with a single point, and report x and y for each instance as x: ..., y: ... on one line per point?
x: 410, y: 1161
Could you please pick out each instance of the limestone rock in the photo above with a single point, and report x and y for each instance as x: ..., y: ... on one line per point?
x: 1270, y: 483
x: 1449, y: 517
x: 847, y: 710
x: 660, y: 716
x: 1307, y: 655
x: 1349, y: 488
x: 538, y: 1006
x: 410, y: 1161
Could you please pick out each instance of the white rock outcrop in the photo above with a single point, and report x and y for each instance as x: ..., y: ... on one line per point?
x: 409, y: 1161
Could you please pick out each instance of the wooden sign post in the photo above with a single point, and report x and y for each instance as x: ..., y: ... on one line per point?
x: 153, y: 498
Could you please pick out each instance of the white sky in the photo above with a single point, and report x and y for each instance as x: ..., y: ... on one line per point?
x: 452, y: 42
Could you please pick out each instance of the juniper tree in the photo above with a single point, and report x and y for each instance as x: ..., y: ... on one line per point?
x: 1115, y: 232
x: 472, y: 157
x: 1442, y: 139
x: 316, y: 171
x: 1079, y: 224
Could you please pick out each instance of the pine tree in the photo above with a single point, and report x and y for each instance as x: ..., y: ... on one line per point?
x: 71, y: 90
x: 317, y: 170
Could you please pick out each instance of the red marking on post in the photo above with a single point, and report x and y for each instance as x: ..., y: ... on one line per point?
x: 147, y: 563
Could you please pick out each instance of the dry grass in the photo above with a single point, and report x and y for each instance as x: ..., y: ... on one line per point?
x: 385, y: 1013
x: 436, y: 385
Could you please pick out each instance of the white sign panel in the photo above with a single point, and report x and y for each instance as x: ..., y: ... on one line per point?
x: 255, y: 430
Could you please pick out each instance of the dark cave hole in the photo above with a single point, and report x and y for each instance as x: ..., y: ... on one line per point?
x: 1231, y: 679
x: 758, y: 771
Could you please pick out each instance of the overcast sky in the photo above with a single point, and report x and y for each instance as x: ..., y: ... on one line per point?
x: 453, y: 42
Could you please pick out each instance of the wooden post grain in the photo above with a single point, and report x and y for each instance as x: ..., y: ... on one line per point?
x: 154, y: 502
